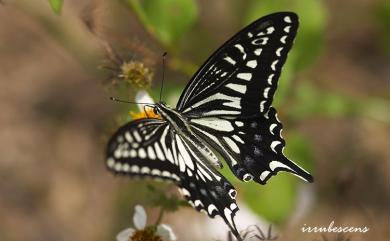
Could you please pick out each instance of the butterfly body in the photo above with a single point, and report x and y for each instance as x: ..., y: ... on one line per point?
x: 181, y: 126
x: 225, y: 109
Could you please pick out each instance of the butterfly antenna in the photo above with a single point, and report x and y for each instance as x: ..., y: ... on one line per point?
x: 163, y: 73
x: 129, y: 102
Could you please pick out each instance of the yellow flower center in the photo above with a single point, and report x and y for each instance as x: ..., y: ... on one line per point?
x: 143, y: 115
x: 145, y: 235
x: 136, y: 74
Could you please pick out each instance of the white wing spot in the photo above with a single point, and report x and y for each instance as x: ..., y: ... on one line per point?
x: 215, y: 123
x: 270, y: 30
x: 198, y: 203
x: 244, y: 76
x: 247, y: 177
x: 230, y: 60
x: 211, y: 208
x: 262, y: 105
x: 258, y: 51
x: 237, y: 138
x: 264, y: 175
x: 151, y: 153
x: 159, y: 153
x: 239, y: 123
x: 283, y: 39
x: 135, y: 169
x: 142, y: 153
x: 278, y: 51
x: 266, y: 90
x: 222, y: 112
x: 128, y: 137
x: 287, y: 29
x: 272, y: 127
x: 232, y: 145
x: 236, y: 87
x: 223, y: 74
x: 228, y: 215
x: 133, y: 153
x: 184, y: 154
x: 166, y: 174
x: 287, y: 19
x: 232, y: 194
x: 117, y: 153
x: 252, y: 63
x: 137, y: 136
x: 126, y: 167
x: 250, y: 35
x: 273, y: 65
x: 233, y: 206
x: 145, y: 170
x: 110, y: 162
x: 239, y: 46
x: 260, y: 41
x: 174, y: 176
x: 156, y: 172
x: 118, y: 167
x: 274, y: 144
x: 269, y: 80
x: 275, y: 164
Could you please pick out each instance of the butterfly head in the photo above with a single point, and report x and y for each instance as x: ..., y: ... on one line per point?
x: 160, y: 108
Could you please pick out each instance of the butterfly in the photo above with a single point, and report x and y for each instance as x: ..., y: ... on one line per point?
x: 225, y: 109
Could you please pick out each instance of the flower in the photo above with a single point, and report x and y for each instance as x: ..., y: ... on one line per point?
x: 141, y: 232
x: 146, y: 111
x: 136, y: 74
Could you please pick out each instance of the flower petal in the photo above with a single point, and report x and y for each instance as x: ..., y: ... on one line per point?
x: 165, y: 232
x: 125, y: 234
x: 143, y: 97
x: 139, y: 218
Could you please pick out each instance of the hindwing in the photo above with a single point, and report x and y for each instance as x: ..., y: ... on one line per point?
x: 252, y: 147
x: 149, y: 148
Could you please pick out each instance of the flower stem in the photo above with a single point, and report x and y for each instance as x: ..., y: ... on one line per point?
x: 160, y: 216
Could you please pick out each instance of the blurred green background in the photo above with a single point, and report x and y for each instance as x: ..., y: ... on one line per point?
x: 333, y: 99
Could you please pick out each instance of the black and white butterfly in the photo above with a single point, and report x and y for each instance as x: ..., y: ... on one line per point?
x: 225, y: 108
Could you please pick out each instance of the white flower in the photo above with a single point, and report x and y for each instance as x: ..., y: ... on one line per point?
x: 139, y: 220
x: 143, y: 97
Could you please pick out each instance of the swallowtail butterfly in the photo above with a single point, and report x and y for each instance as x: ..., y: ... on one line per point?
x: 225, y: 108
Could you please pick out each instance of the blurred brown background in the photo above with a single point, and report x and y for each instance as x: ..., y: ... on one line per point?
x: 56, y: 117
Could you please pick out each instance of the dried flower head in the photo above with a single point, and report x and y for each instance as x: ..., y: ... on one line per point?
x: 136, y: 74
x: 126, y: 70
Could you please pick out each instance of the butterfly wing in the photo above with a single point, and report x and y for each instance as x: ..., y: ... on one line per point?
x: 228, y: 101
x: 149, y: 148
x: 252, y: 147
x: 240, y: 78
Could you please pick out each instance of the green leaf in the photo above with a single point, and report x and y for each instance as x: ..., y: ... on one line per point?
x: 311, y: 101
x: 382, y: 16
x: 167, y: 20
x: 56, y: 5
x: 274, y: 201
x: 299, y: 150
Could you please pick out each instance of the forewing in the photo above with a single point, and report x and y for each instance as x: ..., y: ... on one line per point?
x: 148, y: 147
x: 240, y: 78
x: 253, y: 147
